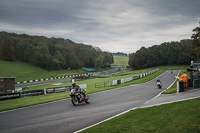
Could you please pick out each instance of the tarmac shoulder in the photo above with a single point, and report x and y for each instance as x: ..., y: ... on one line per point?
x: 170, y: 98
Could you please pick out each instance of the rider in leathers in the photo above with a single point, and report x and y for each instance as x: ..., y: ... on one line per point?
x: 76, y: 87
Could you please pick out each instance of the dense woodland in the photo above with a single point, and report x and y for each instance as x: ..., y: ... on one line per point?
x: 51, y: 53
x: 59, y: 53
x: 168, y: 53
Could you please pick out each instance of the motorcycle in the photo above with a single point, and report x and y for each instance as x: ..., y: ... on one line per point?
x: 159, y: 84
x: 77, y: 97
x: 171, y: 71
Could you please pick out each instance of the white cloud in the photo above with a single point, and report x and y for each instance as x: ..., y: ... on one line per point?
x: 114, y: 25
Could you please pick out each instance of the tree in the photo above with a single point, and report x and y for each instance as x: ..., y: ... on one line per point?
x: 6, y: 48
x: 168, y: 53
x: 42, y: 57
x: 58, y: 61
x: 195, y: 50
x: 108, y: 59
x: 99, y: 61
x: 184, y: 48
x: 51, y: 53
x: 153, y: 58
x: 138, y: 60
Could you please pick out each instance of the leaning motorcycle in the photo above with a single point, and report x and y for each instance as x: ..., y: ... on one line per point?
x: 159, y: 84
x: 77, y: 97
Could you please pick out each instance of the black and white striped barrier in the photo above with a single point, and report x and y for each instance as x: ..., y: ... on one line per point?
x: 37, y: 80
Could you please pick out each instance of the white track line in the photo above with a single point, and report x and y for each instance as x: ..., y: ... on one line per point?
x: 170, y: 102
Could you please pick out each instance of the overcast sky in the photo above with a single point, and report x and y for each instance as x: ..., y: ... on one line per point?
x: 112, y: 25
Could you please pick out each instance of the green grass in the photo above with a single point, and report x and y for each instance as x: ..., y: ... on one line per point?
x: 180, y: 117
x: 30, y: 101
x: 25, y: 72
x: 121, y: 60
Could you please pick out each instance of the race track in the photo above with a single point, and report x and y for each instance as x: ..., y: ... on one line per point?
x: 63, y: 117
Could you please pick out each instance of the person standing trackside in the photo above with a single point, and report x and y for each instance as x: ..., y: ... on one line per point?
x: 184, y: 77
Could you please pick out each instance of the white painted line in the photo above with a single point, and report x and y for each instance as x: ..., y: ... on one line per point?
x: 170, y: 102
x: 104, y: 120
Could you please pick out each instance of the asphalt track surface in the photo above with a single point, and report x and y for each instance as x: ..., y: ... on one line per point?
x: 62, y: 117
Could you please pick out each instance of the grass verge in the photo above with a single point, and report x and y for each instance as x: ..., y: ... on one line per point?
x: 180, y: 117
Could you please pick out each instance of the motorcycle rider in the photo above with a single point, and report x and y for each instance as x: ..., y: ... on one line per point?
x: 78, y: 89
x: 158, y: 82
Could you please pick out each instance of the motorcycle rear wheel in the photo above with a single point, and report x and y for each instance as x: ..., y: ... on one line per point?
x: 159, y: 86
x: 74, y: 101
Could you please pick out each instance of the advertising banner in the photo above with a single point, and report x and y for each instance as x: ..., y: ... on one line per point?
x: 114, y: 82
x: 32, y: 93
x: 9, y: 96
x: 58, y: 89
x: 136, y: 77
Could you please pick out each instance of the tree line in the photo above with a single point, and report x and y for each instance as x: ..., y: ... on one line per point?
x: 51, y: 53
x: 119, y: 54
x: 168, y: 53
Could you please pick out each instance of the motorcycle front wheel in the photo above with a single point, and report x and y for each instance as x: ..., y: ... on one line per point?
x: 87, y: 99
x: 74, y: 101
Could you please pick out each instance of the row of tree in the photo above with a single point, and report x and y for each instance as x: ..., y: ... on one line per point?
x: 168, y: 53
x: 119, y: 54
x: 51, y: 53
